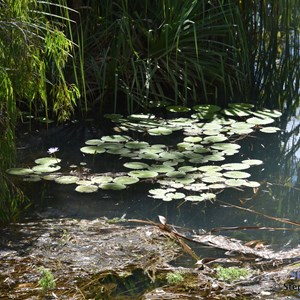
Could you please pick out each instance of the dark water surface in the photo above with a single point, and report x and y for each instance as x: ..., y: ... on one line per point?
x: 278, y: 196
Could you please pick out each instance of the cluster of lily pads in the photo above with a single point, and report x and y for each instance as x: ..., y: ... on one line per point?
x: 193, y: 169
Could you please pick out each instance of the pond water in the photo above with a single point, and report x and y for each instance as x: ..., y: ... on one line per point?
x: 278, y: 196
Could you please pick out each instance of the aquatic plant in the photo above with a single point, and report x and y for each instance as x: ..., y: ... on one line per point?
x: 194, y: 172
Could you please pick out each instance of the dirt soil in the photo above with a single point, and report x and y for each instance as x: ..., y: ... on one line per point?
x: 100, y: 259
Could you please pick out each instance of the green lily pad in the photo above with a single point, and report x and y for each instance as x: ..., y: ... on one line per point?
x: 86, y: 188
x: 185, y: 180
x: 267, y: 113
x: 235, y: 182
x: 175, y: 174
x: 187, y: 169
x: 19, y: 171
x: 161, y: 168
x: 141, y: 117
x: 121, y: 151
x: 236, y: 174
x: 136, y: 145
x: 198, y: 160
x: 205, y: 111
x: 194, y: 198
x: 215, y: 139
x: 208, y: 196
x: 215, y: 157
x: 252, y: 162
x: 225, y: 146
x: 217, y: 186
x: 83, y: 182
x: 240, y: 131
x: 173, y: 196
x: 252, y: 184
x: 160, y: 131
x: 47, y: 161
x: 94, y: 142
x: 196, y: 187
x: 66, y: 179
x: 45, y: 168
x: 174, y: 155
x: 136, y: 165
x: 213, y: 179
x: 143, y: 174
x: 101, y: 179
x: 112, y: 186
x: 32, y: 178
x: 92, y: 150
x: 115, y: 138
x: 50, y: 177
x: 235, y: 166
x: 178, y: 108
x: 193, y: 139
x: 236, y: 112
x: 210, y: 168
x: 151, y: 156
x: 126, y: 180
x: 184, y: 146
x: 269, y: 129
x: 259, y: 121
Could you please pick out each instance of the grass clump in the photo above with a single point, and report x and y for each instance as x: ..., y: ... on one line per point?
x: 231, y: 274
x: 174, y: 278
x: 47, y: 280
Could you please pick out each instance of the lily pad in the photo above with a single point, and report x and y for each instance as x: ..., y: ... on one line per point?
x: 196, y: 187
x: 208, y: 196
x: 83, y: 182
x: 161, y: 168
x: 235, y: 182
x: 173, y: 196
x: 32, y: 178
x: 236, y: 112
x: 115, y: 138
x: 45, y: 168
x: 19, y: 171
x: 269, y: 129
x: 215, y: 157
x: 92, y: 150
x: 136, y: 145
x: 143, y: 174
x: 235, y: 166
x: 267, y: 113
x: 253, y: 184
x: 101, y: 179
x: 136, y: 165
x: 193, y: 139
x: 174, y: 155
x: 213, y: 179
x: 252, y: 162
x: 160, y: 131
x: 236, y: 174
x: 112, y: 186
x: 210, y: 168
x: 194, y: 198
x: 187, y: 169
x: 94, y: 142
x: 126, y: 180
x: 66, y: 179
x: 47, y: 161
x: 215, y: 139
x: 259, y: 121
x: 86, y: 188
x: 50, y: 177
x: 225, y: 146
x: 176, y: 174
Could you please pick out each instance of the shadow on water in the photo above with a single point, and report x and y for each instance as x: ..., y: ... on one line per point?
x: 278, y: 195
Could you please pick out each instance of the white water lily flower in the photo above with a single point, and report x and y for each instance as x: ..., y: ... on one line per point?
x: 52, y: 150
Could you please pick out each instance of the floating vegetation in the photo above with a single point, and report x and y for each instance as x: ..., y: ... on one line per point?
x: 86, y: 188
x: 66, y: 179
x: 209, y: 136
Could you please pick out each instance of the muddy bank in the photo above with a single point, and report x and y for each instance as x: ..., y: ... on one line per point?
x: 104, y: 260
